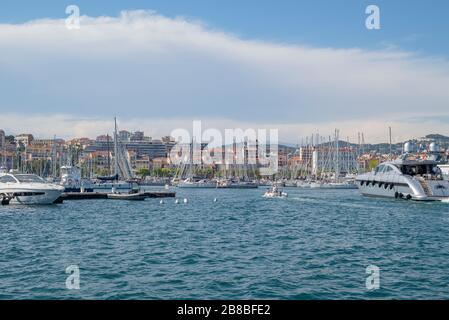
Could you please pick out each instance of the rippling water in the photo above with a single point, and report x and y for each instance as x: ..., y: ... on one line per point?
x: 313, y: 245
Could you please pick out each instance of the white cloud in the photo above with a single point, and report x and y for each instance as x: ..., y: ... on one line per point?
x: 142, y: 66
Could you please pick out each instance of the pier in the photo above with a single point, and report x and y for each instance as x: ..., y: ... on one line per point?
x: 104, y: 195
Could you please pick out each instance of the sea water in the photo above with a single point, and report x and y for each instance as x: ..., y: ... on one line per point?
x: 316, y: 244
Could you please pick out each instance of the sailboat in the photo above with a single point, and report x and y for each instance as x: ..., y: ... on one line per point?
x: 122, y: 177
x: 331, y: 177
x: 189, y: 180
x: 237, y: 177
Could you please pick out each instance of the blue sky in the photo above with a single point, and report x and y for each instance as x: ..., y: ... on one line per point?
x: 416, y: 25
x: 299, y: 66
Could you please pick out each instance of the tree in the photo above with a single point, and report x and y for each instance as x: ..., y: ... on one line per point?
x: 143, y: 172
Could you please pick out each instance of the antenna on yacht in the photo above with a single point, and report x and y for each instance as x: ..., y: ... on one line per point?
x: 391, y: 152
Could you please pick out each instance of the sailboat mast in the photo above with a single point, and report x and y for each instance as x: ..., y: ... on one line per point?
x: 115, y: 148
x: 191, y: 169
x: 109, y: 155
x: 54, y: 156
x: 337, y: 155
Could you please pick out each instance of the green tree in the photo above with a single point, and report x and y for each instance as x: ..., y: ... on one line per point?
x: 143, y: 172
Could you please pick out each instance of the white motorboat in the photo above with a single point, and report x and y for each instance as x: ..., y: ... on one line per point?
x: 72, y: 182
x: 345, y: 184
x: 131, y: 196
x: 237, y: 184
x: 324, y: 184
x: 201, y: 184
x: 275, y: 192
x: 408, y: 177
x: 27, y: 189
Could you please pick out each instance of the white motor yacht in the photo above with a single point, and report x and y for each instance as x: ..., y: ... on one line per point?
x: 409, y: 177
x: 27, y: 189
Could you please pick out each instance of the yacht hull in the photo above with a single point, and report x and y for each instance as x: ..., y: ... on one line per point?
x: 409, y: 190
x: 36, y: 197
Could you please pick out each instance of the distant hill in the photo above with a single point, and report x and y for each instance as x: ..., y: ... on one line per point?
x: 442, y: 140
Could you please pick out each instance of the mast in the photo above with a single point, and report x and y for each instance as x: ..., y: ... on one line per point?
x: 347, y: 154
x: 191, y: 154
x: 54, y: 156
x: 337, y: 168
x: 109, y: 155
x: 116, y: 169
x: 391, y: 152
x: 4, y: 154
x: 363, y: 143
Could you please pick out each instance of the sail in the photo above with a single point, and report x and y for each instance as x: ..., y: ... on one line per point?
x: 122, y: 165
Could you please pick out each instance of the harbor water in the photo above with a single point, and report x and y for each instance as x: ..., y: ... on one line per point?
x: 315, y: 244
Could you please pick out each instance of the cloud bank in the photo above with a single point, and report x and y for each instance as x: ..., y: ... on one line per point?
x: 157, y: 73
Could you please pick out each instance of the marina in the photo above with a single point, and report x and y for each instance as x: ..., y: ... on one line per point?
x: 415, y: 174
x: 222, y: 156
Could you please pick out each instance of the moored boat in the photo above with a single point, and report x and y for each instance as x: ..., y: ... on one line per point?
x: 127, y: 196
x: 203, y: 184
x: 27, y: 189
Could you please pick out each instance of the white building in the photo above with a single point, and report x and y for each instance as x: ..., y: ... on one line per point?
x: 24, y: 139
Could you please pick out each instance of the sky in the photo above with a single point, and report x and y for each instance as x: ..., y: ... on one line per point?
x: 303, y: 67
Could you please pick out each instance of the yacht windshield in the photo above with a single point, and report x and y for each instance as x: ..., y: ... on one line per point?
x: 29, y: 178
x: 421, y: 170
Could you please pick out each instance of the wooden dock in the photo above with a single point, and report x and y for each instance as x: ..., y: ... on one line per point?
x: 104, y: 195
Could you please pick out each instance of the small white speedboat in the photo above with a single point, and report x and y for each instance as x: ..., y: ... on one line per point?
x: 27, y: 189
x: 275, y: 192
x: 127, y: 196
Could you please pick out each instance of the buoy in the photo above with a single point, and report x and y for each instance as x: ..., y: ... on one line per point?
x: 185, y: 200
x: 215, y: 199
x: 161, y: 202
x: 176, y: 201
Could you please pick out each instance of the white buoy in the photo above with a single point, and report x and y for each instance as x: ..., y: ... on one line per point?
x: 215, y: 199
x: 161, y: 202
x: 176, y: 201
x: 185, y: 200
